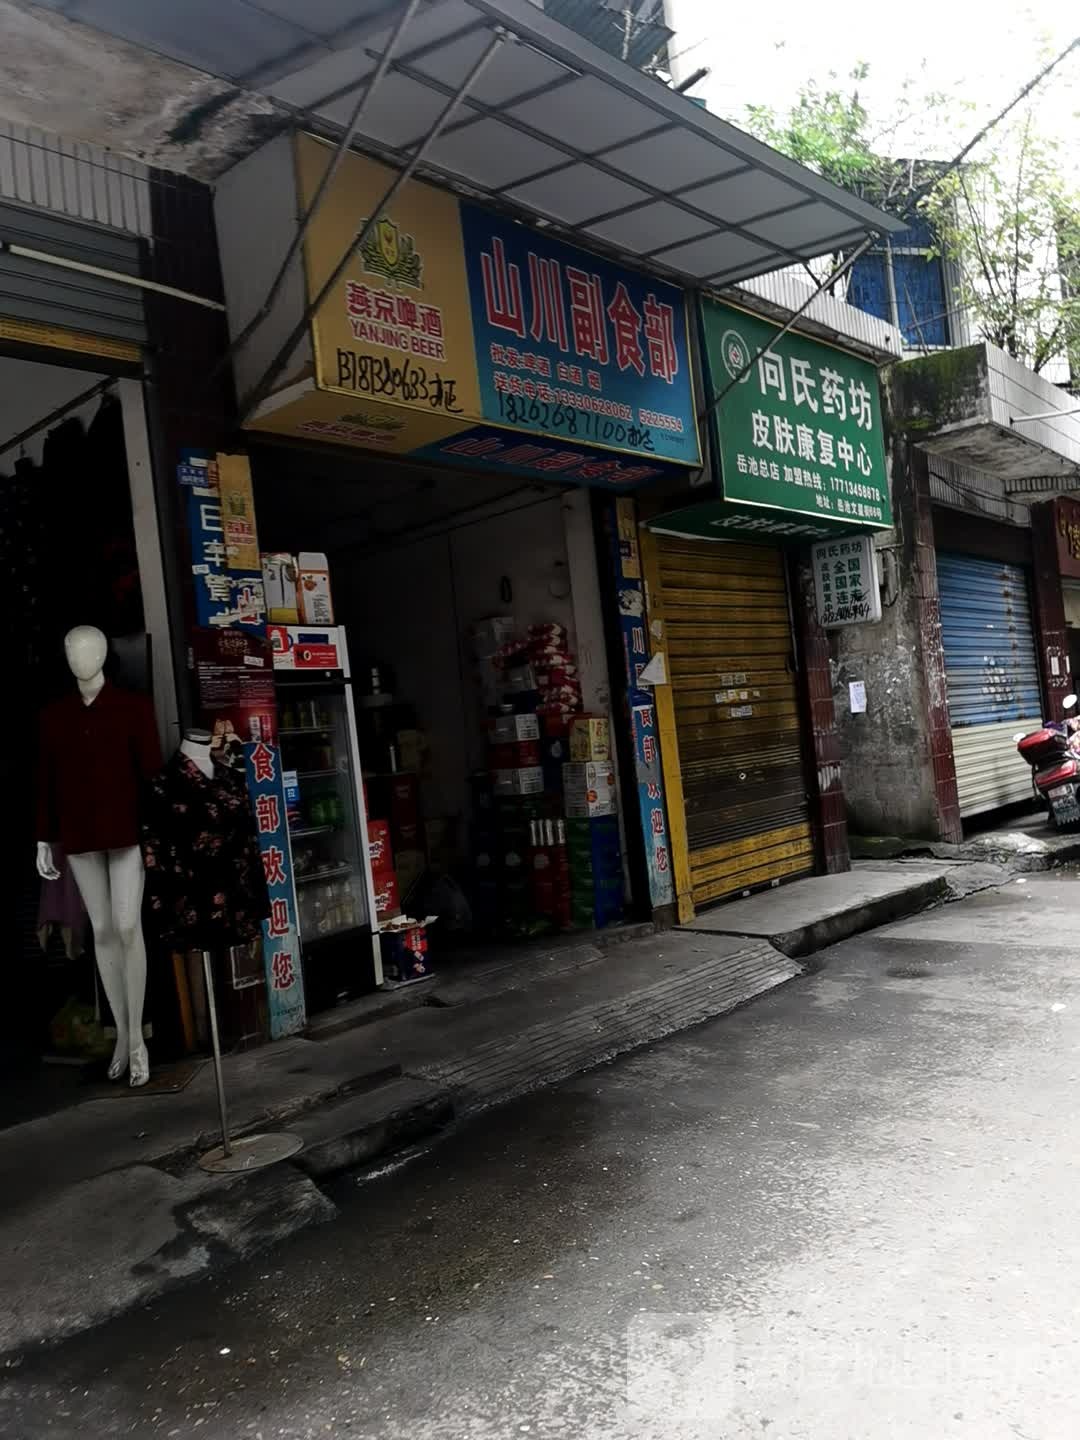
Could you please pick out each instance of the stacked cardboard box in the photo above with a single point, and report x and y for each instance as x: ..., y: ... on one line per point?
x: 384, y: 879
x: 501, y: 836
x: 487, y: 638
x: 589, y: 789
x: 514, y: 755
x: 596, y: 877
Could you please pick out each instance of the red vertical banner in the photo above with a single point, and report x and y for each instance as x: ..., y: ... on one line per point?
x: 235, y: 685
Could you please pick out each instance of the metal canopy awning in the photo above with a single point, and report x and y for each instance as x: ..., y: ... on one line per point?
x: 553, y: 127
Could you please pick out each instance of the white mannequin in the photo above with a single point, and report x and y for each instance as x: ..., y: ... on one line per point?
x: 196, y: 746
x: 111, y: 885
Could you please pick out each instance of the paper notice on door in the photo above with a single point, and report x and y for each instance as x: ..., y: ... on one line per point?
x: 857, y: 697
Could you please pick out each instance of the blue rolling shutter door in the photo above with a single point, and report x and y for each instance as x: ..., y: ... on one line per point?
x: 992, y: 671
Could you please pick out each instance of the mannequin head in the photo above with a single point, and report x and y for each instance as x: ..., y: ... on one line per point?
x: 85, y: 648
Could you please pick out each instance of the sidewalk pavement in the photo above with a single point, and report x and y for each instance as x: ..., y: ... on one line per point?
x: 102, y: 1206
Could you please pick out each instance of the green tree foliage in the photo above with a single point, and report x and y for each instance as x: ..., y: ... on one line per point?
x: 1008, y: 218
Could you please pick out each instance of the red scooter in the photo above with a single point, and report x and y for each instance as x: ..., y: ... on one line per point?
x: 1053, y: 752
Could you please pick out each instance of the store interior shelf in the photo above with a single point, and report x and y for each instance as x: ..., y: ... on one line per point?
x: 304, y: 832
x: 334, y: 874
x: 313, y: 937
x: 307, y: 730
x: 317, y: 774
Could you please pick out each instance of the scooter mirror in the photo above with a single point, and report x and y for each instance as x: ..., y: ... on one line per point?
x: 1068, y: 702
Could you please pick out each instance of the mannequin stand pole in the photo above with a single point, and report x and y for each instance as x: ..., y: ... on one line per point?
x: 219, y: 1079
x: 250, y: 1152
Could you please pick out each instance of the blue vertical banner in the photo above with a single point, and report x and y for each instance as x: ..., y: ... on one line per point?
x: 281, y: 946
x: 633, y: 628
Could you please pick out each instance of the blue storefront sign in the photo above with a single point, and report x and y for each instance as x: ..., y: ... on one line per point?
x: 281, y: 947
x: 541, y: 458
x: 573, y: 347
x: 222, y: 597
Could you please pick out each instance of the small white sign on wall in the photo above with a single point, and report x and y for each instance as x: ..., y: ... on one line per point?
x: 845, y: 582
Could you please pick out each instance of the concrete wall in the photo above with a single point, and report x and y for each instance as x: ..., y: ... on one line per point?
x: 886, y: 759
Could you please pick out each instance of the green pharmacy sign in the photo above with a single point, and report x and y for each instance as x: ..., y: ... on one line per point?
x: 797, y: 437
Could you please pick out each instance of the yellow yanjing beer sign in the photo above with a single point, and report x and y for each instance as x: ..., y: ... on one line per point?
x: 458, y: 336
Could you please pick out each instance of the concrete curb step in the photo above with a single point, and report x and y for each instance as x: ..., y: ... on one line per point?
x: 831, y: 929
x: 544, y: 1054
x: 845, y: 905
x: 357, y: 1130
x: 105, y: 1245
x: 179, y: 1158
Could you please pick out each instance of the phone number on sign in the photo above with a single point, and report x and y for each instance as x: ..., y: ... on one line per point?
x: 581, y: 424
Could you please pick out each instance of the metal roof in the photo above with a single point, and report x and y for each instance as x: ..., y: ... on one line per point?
x: 553, y: 128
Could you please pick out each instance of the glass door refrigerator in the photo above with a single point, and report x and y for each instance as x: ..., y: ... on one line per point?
x: 326, y: 812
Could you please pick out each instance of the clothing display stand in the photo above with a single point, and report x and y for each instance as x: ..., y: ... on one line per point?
x: 250, y: 1152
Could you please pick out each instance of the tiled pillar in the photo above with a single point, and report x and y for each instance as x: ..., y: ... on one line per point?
x: 830, y: 820
x: 1049, y: 611
x: 924, y: 578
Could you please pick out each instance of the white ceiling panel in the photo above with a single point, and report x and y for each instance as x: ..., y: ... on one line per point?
x: 738, y: 197
x: 717, y: 253
x: 515, y: 71
x: 587, y: 116
x: 646, y: 228
x: 399, y: 113
x: 328, y: 75
x: 492, y: 154
x: 804, y: 226
x: 576, y: 194
x: 226, y: 36
x: 673, y: 159
x: 325, y: 18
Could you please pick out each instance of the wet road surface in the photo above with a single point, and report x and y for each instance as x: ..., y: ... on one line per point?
x: 850, y: 1210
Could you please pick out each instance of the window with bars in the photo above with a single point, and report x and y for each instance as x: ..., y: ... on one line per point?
x: 903, y: 283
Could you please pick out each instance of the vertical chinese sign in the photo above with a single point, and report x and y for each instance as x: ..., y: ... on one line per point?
x: 224, y: 596
x: 281, y: 946
x: 237, y: 704
x: 845, y: 582
x: 630, y: 597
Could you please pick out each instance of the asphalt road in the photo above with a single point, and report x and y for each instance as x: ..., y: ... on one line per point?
x: 850, y: 1210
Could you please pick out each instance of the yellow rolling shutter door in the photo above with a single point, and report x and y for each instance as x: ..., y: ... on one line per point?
x: 729, y: 651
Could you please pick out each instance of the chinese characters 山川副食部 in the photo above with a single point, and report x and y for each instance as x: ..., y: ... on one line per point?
x: 569, y: 307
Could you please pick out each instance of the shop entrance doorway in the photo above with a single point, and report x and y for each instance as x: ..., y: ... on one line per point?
x: 464, y: 617
x: 75, y: 549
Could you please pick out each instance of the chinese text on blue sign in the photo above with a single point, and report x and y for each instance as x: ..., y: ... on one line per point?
x: 571, y: 346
